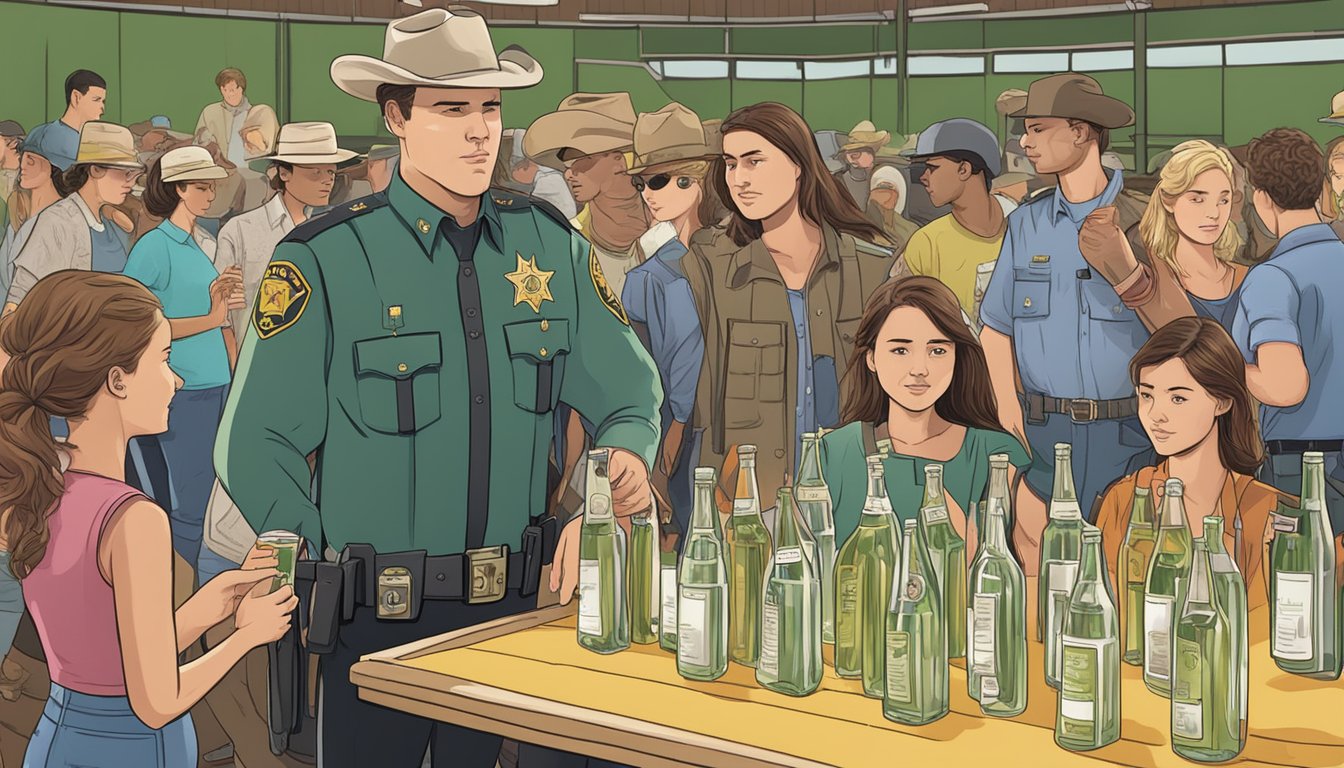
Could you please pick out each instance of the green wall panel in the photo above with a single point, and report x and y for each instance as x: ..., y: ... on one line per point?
x: 815, y: 40
x: 787, y: 92
x: 1067, y: 32
x: 884, y: 94
x: 313, y: 96
x: 645, y: 92
x: 178, y: 78
x: 707, y: 98
x: 79, y: 38
x: 1273, y: 18
x: 615, y: 44
x: 1184, y: 103
x: 682, y: 41
x: 946, y: 35
x: 554, y: 49
x: 940, y: 98
x: 25, y: 98
x: 837, y: 104
x: 1300, y: 98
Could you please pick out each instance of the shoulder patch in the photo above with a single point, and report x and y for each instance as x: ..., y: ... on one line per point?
x: 604, y: 292
x: 316, y: 226
x: 281, y: 299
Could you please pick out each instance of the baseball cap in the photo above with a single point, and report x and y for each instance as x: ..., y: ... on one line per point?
x: 961, y: 135
x: 10, y: 129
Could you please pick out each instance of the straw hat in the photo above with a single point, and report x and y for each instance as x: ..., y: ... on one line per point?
x: 1010, y: 101
x: 865, y: 136
x: 436, y: 48
x: 587, y: 123
x: 107, y: 144
x: 1075, y: 96
x: 383, y: 152
x: 672, y: 134
x: 1336, y: 116
x: 190, y: 163
x: 306, y: 144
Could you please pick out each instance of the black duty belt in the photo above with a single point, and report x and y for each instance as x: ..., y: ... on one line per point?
x: 1281, y: 447
x: 1081, y: 410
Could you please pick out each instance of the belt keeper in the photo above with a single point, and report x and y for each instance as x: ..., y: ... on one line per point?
x: 1035, y: 409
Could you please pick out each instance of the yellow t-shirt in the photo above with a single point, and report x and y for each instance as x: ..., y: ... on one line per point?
x: 952, y: 254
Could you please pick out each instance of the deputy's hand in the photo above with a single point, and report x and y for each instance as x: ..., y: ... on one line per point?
x: 630, y: 489
x: 565, y: 566
x: 1104, y: 247
x: 223, y: 594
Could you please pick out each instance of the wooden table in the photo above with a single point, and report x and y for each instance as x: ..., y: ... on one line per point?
x: 526, y: 677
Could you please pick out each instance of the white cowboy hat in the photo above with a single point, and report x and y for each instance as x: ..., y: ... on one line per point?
x: 436, y: 48
x: 191, y: 163
x: 305, y: 144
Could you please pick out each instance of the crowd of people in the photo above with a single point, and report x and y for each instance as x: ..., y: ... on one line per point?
x: 175, y: 350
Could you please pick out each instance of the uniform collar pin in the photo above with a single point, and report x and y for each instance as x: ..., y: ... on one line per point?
x: 394, y: 321
x: 423, y: 226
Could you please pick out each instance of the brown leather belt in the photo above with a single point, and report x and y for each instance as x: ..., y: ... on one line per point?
x: 1082, y: 411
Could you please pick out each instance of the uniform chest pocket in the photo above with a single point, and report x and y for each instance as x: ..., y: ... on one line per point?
x: 1031, y: 294
x: 1102, y: 302
x: 397, y: 379
x: 754, y: 373
x: 537, y: 353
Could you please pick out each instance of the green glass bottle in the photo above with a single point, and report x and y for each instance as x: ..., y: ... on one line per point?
x: 864, y: 570
x: 996, y: 643
x: 790, y: 660
x: 1088, y: 716
x: 915, y: 689
x: 1060, y: 547
x: 748, y: 553
x: 667, y: 590
x: 947, y: 552
x: 644, y: 577
x: 1204, y: 688
x: 814, y: 504
x: 702, y: 590
x: 1164, y: 587
x: 1229, y: 593
x: 1135, y: 552
x: 604, y: 619
x: 1301, y: 581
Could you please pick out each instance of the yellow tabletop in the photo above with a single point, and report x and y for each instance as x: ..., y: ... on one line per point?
x: 527, y: 678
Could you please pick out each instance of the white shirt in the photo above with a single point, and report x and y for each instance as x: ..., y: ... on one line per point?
x: 248, y: 241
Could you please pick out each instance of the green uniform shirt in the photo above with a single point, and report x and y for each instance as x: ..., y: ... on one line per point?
x: 369, y: 347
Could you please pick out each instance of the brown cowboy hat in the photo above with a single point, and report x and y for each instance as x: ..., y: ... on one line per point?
x: 1077, y: 97
x: 585, y: 124
x: 670, y: 135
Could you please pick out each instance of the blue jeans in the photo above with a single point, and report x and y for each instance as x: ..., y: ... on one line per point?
x: 189, y: 446
x: 1103, y: 452
x: 79, y: 730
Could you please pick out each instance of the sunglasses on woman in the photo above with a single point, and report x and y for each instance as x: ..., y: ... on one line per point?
x: 658, y: 182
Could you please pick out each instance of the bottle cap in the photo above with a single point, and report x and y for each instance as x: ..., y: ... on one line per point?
x: 910, y: 526
x: 704, y: 473
x: 1063, y: 449
x: 933, y: 469
x: 998, y: 460
x: 1091, y: 533
x: 746, y: 450
x: 1143, y: 492
x: 1174, y: 487
x: 1313, y: 457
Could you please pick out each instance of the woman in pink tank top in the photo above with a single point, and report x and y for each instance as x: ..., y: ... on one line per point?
x: 95, y: 555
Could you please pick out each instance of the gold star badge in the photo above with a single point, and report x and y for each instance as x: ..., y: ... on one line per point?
x: 530, y: 285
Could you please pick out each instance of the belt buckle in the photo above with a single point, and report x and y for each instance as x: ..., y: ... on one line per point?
x: 1088, y: 411
x: 487, y: 574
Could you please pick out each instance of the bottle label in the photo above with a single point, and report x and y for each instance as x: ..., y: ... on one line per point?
x: 1293, y: 616
x: 590, y: 598
x: 989, y: 690
x: 1065, y: 510
x: 812, y: 493
x: 1187, y: 720
x: 598, y: 507
x: 983, y: 619
x: 847, y: 604
x: 769, y: 659
x: 898, y: 667
x: 934, y: 514
x: 1059, y: 575
x: 1189, y: 682
x: 744, y: 507
x: 668, y: 619
x: 789, y: 556
x: 692, y: 647
x: 1137, y: 567
x: 1157, y: 636
x: 1284, y: 523
x: 914, y: 587
x: 1082, y: 687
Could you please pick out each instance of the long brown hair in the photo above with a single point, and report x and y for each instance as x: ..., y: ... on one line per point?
x: 1215, y: 362
x: 820, y: 198
x: 72, y: 328
x: 968, y: 401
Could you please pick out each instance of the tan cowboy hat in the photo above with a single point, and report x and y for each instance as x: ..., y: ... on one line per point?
x: 672, y: 134
x: 585, y: 124
x: 107, y: 144
x: 1075, y: 96
x: 865, y: 136
x: 306, y: 144
x: 1336, y: 116
x: 436, y: 48
x: 1010, y: 101
x: 190, y: 163
x: 713, y: 128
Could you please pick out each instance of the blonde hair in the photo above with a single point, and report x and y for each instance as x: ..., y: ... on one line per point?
x: 1158, y: 226
x: 1333, y: 151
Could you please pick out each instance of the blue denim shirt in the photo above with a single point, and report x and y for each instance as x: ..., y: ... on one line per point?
x: 658, y: 295
x: 1294, y: 297
x: 1072, y: 336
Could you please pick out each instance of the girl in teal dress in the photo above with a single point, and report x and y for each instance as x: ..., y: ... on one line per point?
x: 917, y: 390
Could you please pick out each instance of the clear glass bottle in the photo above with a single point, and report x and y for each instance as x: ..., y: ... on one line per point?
x: 947, y: 552
x: 814, y: 504
x: 997, y: 489
x: 1163, y: 588
x: 915, y: 686
x: 604, y: 619
x: 1135, y: 552
x: 644, y: 577
x: 702, y: 590
x: 1229, y: 592
x: 996, y: 638
x: 1088, y: 716
x: 1301, y: 581
x: 667, y: 590
x: 864, y: 570
x: 790, y: 660
x: 749, y: 551
x: 1204, y: 692
x: 1060, y: 547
